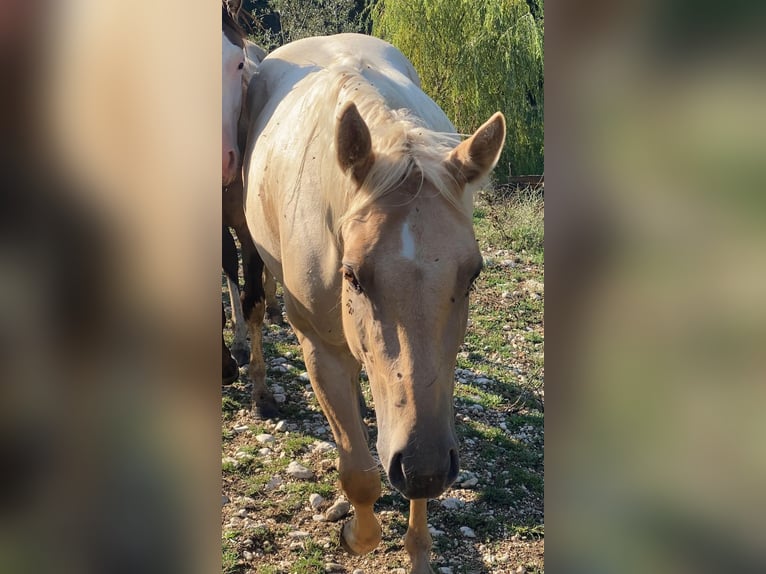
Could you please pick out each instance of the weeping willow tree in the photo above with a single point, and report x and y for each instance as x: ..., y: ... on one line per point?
x: 474, y: 58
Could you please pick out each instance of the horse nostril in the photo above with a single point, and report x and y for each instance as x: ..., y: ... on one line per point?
x: 396, y: 472
x: 454, y: 466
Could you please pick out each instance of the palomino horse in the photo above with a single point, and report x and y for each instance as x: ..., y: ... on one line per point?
x: 359, y: 197
x: 240, y: 60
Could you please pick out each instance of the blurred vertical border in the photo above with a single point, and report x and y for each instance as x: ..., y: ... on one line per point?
x: 656, y: 263
x: 109, y: 287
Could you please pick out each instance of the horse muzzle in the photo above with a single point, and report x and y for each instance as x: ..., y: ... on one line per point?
x: 423, y: 472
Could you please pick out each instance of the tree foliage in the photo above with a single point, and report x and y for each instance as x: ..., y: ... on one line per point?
x: 474, y: 58
x: 281, y: 21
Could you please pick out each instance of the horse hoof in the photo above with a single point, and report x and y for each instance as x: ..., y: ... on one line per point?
x: 357, y: 549
x: 265, y: 409
x: 344, y: 544
x: 274, y: 316
x: 242, y: 356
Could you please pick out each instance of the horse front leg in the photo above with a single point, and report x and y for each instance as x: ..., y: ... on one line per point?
x: 417, y: 540
x: 334, y: 376
x: 254, y: 306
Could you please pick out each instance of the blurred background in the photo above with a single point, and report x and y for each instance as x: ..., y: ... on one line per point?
x: 656, y: 271
x: 108, y: 302
x: 109, y: 299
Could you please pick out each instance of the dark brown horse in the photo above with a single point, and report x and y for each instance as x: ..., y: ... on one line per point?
x: 249, y: 304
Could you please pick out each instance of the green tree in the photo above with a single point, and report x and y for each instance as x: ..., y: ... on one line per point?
x: 281, y: 21
x: 475, y: 58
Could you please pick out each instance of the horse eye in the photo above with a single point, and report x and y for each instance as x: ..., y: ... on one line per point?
x: 241, y: 66
x: 350, y: 277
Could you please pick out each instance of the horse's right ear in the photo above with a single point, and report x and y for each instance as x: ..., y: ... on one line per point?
x: 353, y: 142
x: 474, y: 158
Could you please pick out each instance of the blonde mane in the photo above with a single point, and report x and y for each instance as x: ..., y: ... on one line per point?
x: 402, y: 142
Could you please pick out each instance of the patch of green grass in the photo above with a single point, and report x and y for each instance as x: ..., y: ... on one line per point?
x: 310, y: 561
x: 229, y: 550
x: 255, y: 482
x: 264, y: 539
x: 533, y: 532
x: 302, y: 489
x: 230, y: 558
x: 229, y: 407
x: 296, y: 444
x: 474, y: 395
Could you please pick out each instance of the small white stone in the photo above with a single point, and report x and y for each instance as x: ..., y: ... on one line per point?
x: 279, y: 398
x: 398, y: 571
x: 281, y: 426
x: 304, y: 376
x: 470, y: 483
x: 467, y: 532
x: 322, y: 446
x: 278, y: 361
x: 452, y: 503
x: 264, y: 438
x: 521, y: 570
x: 225, y: 500
x: 338, y: 510
x: 297, y: 470
x: 247, y: 555
x: 333, y: 567
x: 274, y: 483
x: 358, y: 571
x: 316, y: 500
x: 242, y: 513
x: 264, y: 451
x: 298, y: 534
x: 319, y: 518
x: 445, y: 570
x: 435, y: 531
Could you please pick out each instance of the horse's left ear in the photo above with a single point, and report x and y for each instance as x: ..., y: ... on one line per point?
x: 474, y: 158
x: 353, y: 142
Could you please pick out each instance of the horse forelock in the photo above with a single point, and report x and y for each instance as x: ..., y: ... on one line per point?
x: 404, y: 146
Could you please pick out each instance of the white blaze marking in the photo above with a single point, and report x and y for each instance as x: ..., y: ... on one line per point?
x: 408, y: 242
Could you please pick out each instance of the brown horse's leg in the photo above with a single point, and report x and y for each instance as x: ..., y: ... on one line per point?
x: 230, y: 372
x: 239, y: 349
x: 334, y: 376
x: 273, y: 310
x: 417, y: 540
x: 254, y: 307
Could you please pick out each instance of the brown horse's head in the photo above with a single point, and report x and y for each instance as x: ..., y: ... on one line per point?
x: 409, y: 259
